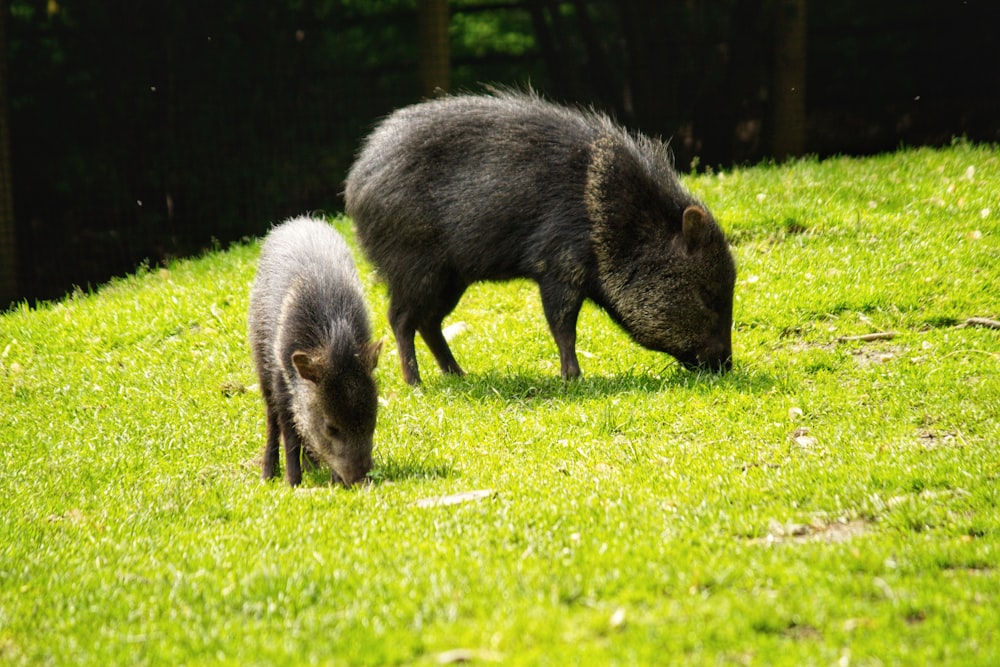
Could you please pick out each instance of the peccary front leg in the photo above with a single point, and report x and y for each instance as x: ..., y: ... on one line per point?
x: 430, y: 327
x: 562, y: 305
x: 434, y: 338
x: 269, y: 466
x: 293, y: 450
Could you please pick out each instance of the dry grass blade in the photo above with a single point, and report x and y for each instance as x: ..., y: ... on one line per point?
x: 984, y: 322
x: 880, y: 335
x: 454, y: 499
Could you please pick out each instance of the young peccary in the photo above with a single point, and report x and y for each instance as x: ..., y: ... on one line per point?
x: 492, y: 187
x: 310, y: 337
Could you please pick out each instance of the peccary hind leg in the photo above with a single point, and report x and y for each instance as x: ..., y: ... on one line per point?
x: 562, y: 306
x: 430, y: 327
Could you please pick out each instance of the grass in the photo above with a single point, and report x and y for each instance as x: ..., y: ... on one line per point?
x: 828, y: 502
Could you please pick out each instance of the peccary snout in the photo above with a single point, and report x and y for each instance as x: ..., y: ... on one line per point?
x: 351, y: 471
x: 717, y: 357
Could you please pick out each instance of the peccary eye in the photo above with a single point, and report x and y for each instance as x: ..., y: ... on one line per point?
x: 332, y: 431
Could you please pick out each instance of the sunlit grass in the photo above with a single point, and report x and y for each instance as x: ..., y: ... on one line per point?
x: 830, y: 501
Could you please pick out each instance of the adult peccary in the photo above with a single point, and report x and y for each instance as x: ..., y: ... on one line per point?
x: 492, y: 187
x: 310, y: 336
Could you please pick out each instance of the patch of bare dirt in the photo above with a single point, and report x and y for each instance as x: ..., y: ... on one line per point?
x: 833, y: 532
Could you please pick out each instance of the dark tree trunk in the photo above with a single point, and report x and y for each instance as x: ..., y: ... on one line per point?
x: 598, y: 71
x: 434, y: 46
x: 8, y: 236
x: 788, y: 82
x: 554, y: 40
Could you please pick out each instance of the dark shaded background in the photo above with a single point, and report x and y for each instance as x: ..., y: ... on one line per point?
x: 141, y: 131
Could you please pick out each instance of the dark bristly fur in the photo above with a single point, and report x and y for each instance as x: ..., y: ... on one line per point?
x: 493, y: 187
x: 310, y: 336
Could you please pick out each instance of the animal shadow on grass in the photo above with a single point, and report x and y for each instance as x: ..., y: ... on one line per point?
x: 397, y: 470
x: 528, y: 387
x: 385, y: 470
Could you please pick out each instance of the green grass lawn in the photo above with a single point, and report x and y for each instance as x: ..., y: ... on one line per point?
x: 829, y: 502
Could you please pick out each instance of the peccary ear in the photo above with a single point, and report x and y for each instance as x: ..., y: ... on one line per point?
x: 307, y: 367
x: 695, y: 226
x: 369, y: 354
